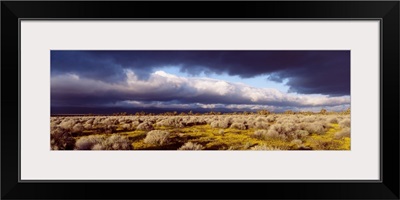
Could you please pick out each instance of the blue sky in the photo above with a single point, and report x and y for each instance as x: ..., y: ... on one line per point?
x: 260, y: 81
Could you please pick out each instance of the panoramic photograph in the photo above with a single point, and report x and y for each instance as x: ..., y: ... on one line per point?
x: 268, y: 100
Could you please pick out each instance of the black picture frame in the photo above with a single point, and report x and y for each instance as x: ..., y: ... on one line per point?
x: 386, y: 11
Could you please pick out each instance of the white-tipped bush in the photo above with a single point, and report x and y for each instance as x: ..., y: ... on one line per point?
x: 224, y: 124
x: 99, y: 142
x: 271, y: 118
x: 157, y: 137
x: 265, y: 148
x: 261, y: 119
x: 288, y: 128
x: 345, y: 132
x: 61, y: 139
x: 110, y: 121
x: 258, y: 124
x: 127, y: 127
x: 239, y: 126
x: 260, y: 134
x: 271, y: 133
x: 67, y: 124
x: 117, y: 142
x: 90, y: 121
x: 296, y: 142
x: 145, y: 126
x: 78, y: 128
x: 282, y: 131
x: 191, y: 146
x: 135, y: 123
x: 316, y: 127
x: 87, y: 143
x: 261, y: 125
x: 87, y: 126
x: 301, y: 133
x: 219, y: 124
x: 168, y: 122
x: 53, y: 125
x: 97, y: 147
x: 214, y: 124
x: 309, y: 119
x: 345, y: 123
x: 333, y: 120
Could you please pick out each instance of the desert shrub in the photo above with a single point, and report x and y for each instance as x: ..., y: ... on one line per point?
x: 53, y: 125
x: 179, y: 125
x: 127, y: 127
x: 90, y: 121
x: 228, y: 121
x: 145, y: 126
x: 169, y: 122
x: 265, y: 147
x: 97, y: 146
x: 315, y: 127
x: 194, y: 121
x: 260, y: 134
x: 87, y: 143
x: 219, y: 124
x: 345, y: 132
x: 258, y: 125
x: 285, y: 119
x: 296, y: 142
x: 234, y: 147
x: 157, y: 137
x: 104, y: 125
x: 272, y: 133
x: 240, y: 120
x: 261, y: 119
x: 116, y: 142
x: 288, y: 128
x: 282, y: 131
x: 214, y: 124
x: 191, y: 146
x: 110, y: 121
x: 110, y: 129
x: 61, y: 139
x: 87, y: 126
x: 239, y: 126
x: 99, y: 142
x: 333, y: 120
x: 271, y: 118
x: 345, y: 123
x: 67, y: 124
x: 77, y: 128
x: 135, y: 123
x: 326, y: 145
x: 309, y: 119
x: 301, y: 133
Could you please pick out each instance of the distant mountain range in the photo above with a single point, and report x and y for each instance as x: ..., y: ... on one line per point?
x: 112, y: 110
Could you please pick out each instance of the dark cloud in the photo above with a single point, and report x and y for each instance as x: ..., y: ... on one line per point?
x: 71, y: 90
x: 306, y: 72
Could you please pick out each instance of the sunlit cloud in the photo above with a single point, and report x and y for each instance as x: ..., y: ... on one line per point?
x: 163, y: 90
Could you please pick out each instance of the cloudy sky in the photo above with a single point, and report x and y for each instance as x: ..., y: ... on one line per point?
x: 193, y: 80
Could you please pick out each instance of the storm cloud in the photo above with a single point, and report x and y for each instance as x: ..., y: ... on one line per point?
x: 306, y: 72
x: 138, y: 79
x: 168, y: 89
